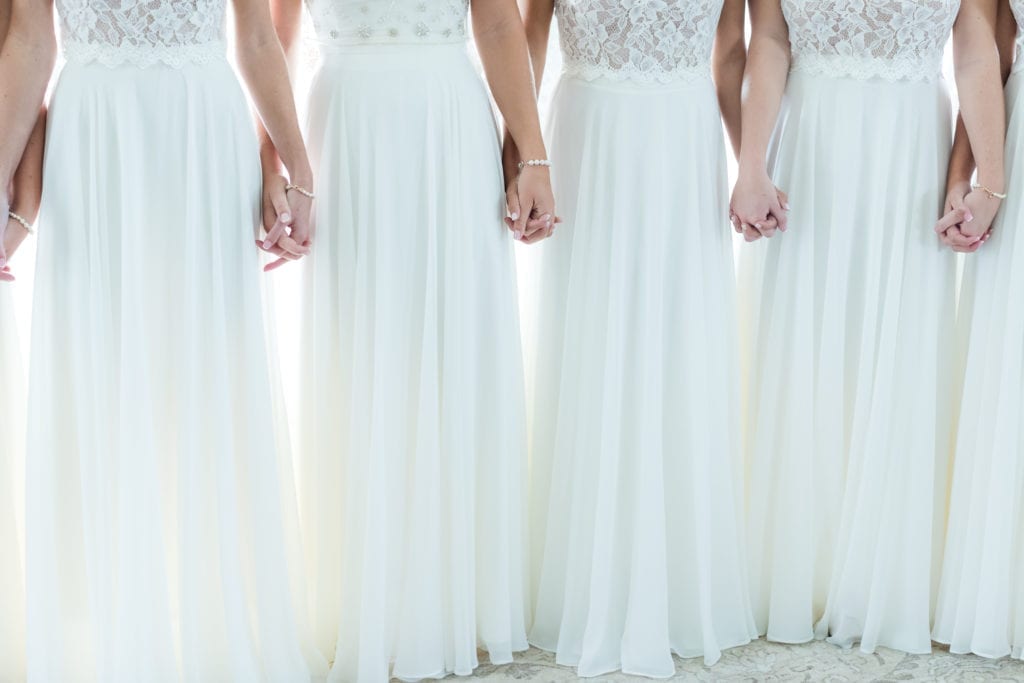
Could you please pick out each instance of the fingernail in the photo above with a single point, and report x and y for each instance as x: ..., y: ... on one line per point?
x: 515, y: 215
x: 786, y: 206
x: 267, y: 244
x: 285, y: 217
x: 969, y: 217
x: 518, y: 235
x: 757, y: 225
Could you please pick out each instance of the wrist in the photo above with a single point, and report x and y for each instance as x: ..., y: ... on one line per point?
x: 993, y: 182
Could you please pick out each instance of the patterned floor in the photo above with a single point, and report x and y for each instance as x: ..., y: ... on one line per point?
x: 764, y: 661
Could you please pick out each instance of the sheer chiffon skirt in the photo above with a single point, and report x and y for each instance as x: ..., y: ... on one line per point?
x: 636, y: 470
x: 161, y: 519
x: 413, y: 437
x: 12, y: 496
x: 981, y: 597
x: 849, y: 323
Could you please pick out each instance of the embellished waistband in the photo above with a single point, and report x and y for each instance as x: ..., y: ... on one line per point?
x: 143, y: 56
x: 911, y: 69
x: 678, y: 75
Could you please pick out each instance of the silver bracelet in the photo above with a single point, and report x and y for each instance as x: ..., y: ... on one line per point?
x: 24, y: 223
x: 534, y: 162
x: 300, y: 189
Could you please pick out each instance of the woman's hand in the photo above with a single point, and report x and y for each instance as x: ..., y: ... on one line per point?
x: 758, y: 209
x: 286, y: 221
x: 967, y: 224
x: 531, y: 205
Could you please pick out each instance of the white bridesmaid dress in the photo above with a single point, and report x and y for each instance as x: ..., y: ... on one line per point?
x: 981, y: 596
x: 12, y: 496
x: 636, y: 456
x: 848, y: 321
x: 161, y: 521
x: 413, y: 435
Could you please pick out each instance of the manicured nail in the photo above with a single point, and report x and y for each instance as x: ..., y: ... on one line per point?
x: 285, y: 217
x: 267, y: 244
x: 515, y: 215
x: 969, y: 217
x: 518, y: 235
x: 757, y: 225
x: 786, y: 206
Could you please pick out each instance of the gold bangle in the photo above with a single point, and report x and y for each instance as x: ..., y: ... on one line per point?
x: 990, y: 193
x: 24, y: 223
x: 300, y: 189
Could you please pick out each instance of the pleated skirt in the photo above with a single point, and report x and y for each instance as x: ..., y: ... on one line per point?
x: 412, y: 449
x: 162, y: 530
x: 12, y: 496
x: 847, y: 320
x: 981, y: 597
x: 636, y: 478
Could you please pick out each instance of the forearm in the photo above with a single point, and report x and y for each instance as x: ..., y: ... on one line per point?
x: 764, y: 84
x: 501, y: 41
x: 729, y: 64
x: 26, y: 63
x: 262, y: 64
x: 984, y: 118
x: 28, y: 179
x: 537, y: 20
x: 961, y: 160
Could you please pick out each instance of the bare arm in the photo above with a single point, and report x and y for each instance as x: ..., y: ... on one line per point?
x: 728, y: 62
x: 262, y: 64
x: 27, y: 48
x: 982, y: 106
x: 756, y: 204
x: 501, y: 41
x: 961, y: 161
x: 982, y: 122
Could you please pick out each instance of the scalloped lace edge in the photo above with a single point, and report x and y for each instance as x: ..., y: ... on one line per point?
x: 921, y: 70
x: 593, y: 72
x: 143, y: 56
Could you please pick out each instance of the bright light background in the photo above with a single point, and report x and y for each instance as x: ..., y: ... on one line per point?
x: 285, y: 282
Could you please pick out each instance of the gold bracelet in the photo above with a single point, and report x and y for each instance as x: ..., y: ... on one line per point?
x: 24, y: 223
x: 300, y: 189
x: 990, y: 193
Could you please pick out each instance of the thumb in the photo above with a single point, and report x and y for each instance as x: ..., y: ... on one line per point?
x: 515, y: 214
x: 280, y: 201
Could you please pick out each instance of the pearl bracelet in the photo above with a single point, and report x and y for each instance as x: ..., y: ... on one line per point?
x: 990, y: 193
x: 534, y: 162
x: 24, y: 223
x: 300, y: 189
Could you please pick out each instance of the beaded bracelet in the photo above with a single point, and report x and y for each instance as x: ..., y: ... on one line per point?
x: 24, y: 223
x: 300, y: 189
x: 534, y: 162
x: 990, y: 193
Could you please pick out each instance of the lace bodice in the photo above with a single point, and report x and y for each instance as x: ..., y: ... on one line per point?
x: 142, y: 32
x: 1018, y: 12
x: 867, y: 39
x: 389, y: 21
x: 647, y: 40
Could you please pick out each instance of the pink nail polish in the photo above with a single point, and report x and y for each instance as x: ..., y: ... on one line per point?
x: 285, y: 217
x: 518, y: 235
x: 515, y: 215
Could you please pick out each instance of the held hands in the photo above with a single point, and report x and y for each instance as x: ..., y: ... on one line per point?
x: 967, y: 223
x: 530, y: 204
x: 286, y: 220
x: 758, y: 208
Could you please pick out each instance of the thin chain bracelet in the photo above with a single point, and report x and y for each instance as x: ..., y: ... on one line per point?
x: 300, y: 189
x: 990, y: 193
x: 534, y: 162
x: 24, y: 223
